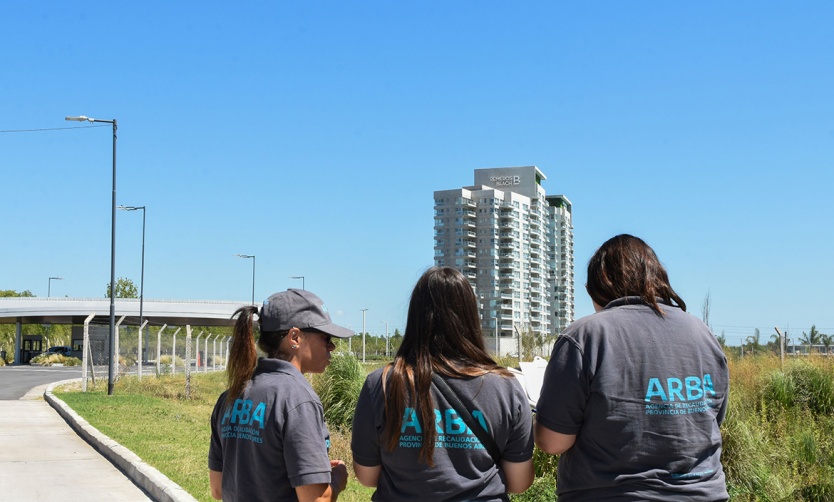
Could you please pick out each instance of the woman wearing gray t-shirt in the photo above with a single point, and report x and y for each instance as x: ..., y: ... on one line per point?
x: 268, y: 436
x: 634, y: 395
x: 408, y: 441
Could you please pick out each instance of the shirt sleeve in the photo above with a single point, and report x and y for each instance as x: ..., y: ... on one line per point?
x: 215, y: 455
x: 305, y: 446
x: 565, y: 390
x: 364, y: 441
x: 520, y: 441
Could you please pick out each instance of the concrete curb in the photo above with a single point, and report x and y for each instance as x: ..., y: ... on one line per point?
x: 156, y: 484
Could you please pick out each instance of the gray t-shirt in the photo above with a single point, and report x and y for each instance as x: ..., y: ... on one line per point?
x: 645, y: 396
x: 463, y: 469
x: 272, y: 438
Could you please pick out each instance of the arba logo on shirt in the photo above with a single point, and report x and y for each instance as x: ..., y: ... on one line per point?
x: 242, y: 413
x: 691, y: 388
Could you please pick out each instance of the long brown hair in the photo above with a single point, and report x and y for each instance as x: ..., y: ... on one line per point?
x: 443, y: 335
x: 243, y: 355
x: 626, y: 266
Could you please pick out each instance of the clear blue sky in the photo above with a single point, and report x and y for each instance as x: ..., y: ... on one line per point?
x: 313, y: 134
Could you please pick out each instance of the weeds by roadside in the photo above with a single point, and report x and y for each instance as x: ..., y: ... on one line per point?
x: 778, y: 435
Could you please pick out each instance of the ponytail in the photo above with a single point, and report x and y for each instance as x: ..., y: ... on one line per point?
x: 243, y: 357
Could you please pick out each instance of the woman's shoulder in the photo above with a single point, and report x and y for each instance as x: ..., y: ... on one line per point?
x: 502, y: 384
x: 374, y: 379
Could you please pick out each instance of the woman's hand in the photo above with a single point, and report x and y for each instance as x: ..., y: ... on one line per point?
x: 338, y: 476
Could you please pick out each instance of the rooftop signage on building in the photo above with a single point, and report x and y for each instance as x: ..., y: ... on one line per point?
x: 506, y: 180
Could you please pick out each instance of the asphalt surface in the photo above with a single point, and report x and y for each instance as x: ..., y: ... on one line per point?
x: 50, y: 454
x: 16, y: 381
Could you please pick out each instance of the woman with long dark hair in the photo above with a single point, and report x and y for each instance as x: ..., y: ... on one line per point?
x: 634, y: 395
x: 408, y: 440
x: 268, y: 436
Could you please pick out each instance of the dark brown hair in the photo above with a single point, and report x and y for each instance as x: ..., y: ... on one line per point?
x: 626, y: 266
x: 443, y: 335
x: 243, y: 356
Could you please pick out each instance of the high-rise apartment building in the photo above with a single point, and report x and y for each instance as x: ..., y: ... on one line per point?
x: 515, y: 245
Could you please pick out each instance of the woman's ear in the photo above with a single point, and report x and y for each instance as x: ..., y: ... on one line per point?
x: 294, y: 337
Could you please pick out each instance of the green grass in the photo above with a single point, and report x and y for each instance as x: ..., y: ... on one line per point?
x: 778, y: 435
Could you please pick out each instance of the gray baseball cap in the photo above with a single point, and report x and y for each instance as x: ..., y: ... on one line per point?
x: 298, y: 308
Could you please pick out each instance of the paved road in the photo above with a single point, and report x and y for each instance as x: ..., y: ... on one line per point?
x: 16, y: 381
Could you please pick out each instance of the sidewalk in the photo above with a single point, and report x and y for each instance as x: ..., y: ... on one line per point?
x: 44, y: 457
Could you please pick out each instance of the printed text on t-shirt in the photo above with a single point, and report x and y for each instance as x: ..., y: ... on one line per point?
x: 692, y: 394
x: 451, y: 429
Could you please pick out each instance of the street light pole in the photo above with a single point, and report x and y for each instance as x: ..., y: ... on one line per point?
x: 299, y: 277
x: 386, y: 338
x: 253, y: 272
x: 142, y: 276
x: 49, y: 289
x: 112, y: 366
x: 363, y: 333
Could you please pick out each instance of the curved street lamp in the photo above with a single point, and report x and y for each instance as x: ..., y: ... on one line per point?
x: 141, y: 277
x: 253, y: 272
x: 49, y: 289
x: 299, y: 277
x: 112, y: 364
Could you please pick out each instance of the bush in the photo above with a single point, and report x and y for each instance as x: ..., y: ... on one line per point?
x: 338, y: 388
x: 51, y: 359
x: 803, y: 386
x: 166, y: 361
x: 778, y: 438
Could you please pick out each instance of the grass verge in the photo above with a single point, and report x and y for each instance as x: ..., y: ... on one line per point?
x: 778, y: 436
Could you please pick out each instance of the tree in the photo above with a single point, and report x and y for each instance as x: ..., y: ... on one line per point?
x: 811, y: 338
x: 124, y: 289
x: 722, y: 340
x: 754, y: 340
x: 775, y: 343
x: 396, y: 341
x: 827, y: 340
x: 10, y: 293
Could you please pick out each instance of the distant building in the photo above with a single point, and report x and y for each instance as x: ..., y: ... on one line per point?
x: 515, y: 245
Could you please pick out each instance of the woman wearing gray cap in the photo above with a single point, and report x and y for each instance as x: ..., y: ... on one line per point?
x: 268, y: 436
